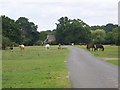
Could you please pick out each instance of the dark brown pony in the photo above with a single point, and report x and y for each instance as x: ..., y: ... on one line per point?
x: 99, y: 46
x: 90, y: 45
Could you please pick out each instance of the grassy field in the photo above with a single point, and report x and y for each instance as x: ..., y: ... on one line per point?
x: 109, y: 52
x: 36, y: 68
x: 115, y: 62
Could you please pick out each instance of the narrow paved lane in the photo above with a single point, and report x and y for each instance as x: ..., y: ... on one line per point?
x: 86, y: 71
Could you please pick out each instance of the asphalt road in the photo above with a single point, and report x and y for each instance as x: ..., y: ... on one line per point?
x: 86, y: 71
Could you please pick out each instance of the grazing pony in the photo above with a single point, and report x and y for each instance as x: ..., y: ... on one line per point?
x: 72, y: 44
x: 22, y: 47
x: 59, y: 46
x: 99, y: 46
x: 47, y: 46
x: 11, y: 48
x: 90, y: 45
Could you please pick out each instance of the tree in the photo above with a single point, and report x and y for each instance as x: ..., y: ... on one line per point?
x: 116, y: 34
x: 109, y: 38
x: 29, y: 34
x: 20, y: 31
x: 60, y: 30
x: 69, y: 31
x: 108, y: 27
x: 98, y: 36
x: 10, y: 29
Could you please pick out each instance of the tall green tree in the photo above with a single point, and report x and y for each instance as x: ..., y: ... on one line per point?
x: 109, y: 38
x: 98, y: 36
x: 60, y: 30
x: 116, y: 35
x: 29, y: 34
x: 10, y: 29
x: 69, y: 31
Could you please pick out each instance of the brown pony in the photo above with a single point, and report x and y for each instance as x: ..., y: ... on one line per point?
x: 90, y: 45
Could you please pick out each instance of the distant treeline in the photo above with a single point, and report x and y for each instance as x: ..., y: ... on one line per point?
x: 22, y: 31
x: 107, y: 27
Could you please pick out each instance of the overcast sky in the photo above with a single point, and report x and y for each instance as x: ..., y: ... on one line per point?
x: 45, y: 13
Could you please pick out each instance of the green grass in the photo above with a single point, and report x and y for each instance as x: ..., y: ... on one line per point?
x: 115, y: 62
x: 36, y: 68
x: 109, y: 52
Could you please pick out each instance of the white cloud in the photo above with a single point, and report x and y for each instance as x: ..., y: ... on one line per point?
x: 45, y: 13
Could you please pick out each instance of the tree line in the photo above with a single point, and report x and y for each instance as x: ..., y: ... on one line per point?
x: 22, y: 31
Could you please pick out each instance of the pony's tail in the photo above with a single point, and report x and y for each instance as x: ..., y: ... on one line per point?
x: 87, y: 47
x: 103, y: 49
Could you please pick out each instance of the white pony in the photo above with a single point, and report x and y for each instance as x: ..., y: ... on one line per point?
x: 22, y: 47
x: 72, y: 44
x: 47, y: 46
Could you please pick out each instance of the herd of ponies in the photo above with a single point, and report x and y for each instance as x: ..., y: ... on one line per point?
x: 47, y: 46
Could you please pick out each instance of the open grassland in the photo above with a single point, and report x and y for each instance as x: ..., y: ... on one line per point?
x: 109, y: 52
x: 35, y: 68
